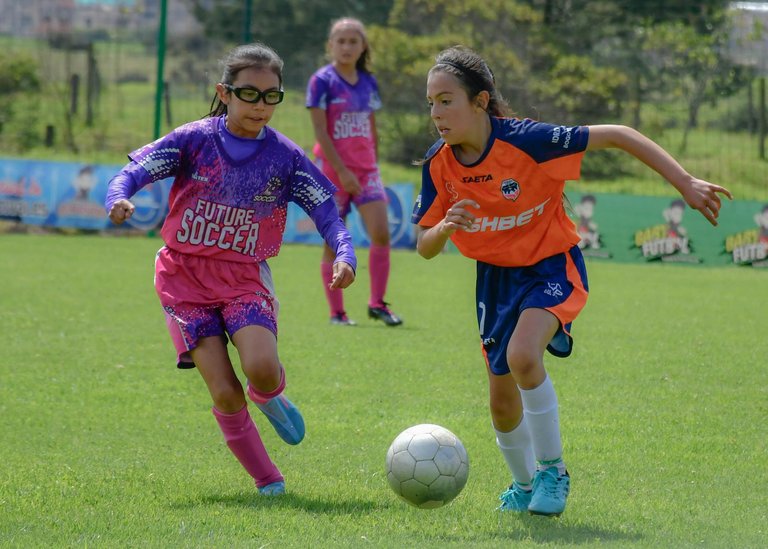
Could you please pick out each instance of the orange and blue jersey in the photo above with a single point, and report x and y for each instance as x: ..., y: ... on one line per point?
x: 518, y: 183
x: 525, y: 245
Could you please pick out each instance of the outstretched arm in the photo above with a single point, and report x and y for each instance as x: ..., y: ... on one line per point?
x: 697, y: 193
x: 326, y: 218
x: 121, y: 188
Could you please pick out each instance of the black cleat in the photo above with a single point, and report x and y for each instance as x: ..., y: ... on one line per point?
x: 384, y: 314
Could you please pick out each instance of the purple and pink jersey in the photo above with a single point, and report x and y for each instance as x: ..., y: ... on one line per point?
x: 230, y: 195
x: 348, y: 109
x: 227, y: 214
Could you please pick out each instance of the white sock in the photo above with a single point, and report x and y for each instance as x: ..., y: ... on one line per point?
x: 540, y: 407
x: 516, y: 448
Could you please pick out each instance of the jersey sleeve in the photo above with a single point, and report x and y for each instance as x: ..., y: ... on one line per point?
x: 558, y: 149
x: 429, y: 208
x: 126, y: 183
x: 317, y: 92
x: 330, y: 226
x: 313, y: 192
x: 161, y: 158
x: 375, y: 101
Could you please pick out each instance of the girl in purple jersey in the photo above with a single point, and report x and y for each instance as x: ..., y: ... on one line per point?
x: 342, y: 98
x: 233, y: 179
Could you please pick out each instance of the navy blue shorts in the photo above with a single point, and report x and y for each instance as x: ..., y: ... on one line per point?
x: 557, y: 284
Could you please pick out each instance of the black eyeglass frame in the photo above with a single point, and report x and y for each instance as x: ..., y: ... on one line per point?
x: 260, y: 95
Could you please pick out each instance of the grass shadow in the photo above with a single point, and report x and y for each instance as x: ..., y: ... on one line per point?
x: 560, y: 530
x: 320, y: 506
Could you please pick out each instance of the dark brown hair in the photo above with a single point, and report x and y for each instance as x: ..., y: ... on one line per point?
x: 256, y: 55
x: 473, y: 74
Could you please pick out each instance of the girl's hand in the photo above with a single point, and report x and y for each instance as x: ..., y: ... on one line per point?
x: 703, y: 196
x: 343, y: 276
x: 349, y: 182
x: 120, y: 211
x: 458, y: 217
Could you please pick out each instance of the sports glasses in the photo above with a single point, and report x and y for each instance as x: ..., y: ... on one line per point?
x: 254, y: 95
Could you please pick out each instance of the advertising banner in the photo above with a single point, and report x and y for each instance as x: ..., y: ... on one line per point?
x: 299, y: 227
x: 613, y: 227
x: 68, y: 194
x: 643, y: 228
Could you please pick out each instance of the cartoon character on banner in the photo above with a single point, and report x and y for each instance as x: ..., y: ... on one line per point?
x: 590, y: 243
x: 76, y: 207
x: 761, y: 219
x: 586, y: 227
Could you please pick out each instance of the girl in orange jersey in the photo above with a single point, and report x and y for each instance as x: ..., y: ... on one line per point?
x: 494, y: 186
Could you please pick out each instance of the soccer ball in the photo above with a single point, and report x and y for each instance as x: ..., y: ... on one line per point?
x: 427, y: 466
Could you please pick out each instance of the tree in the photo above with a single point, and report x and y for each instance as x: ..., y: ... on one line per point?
x: 296, y: 29
x: 401, y: 62
x: 19, y: 81
x: 690, y: 65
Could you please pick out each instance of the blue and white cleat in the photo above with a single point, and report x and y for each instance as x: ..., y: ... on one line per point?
x: 515, y: 499
x: 285, y: 418
x: 550, y: 490
x: 274, y: 489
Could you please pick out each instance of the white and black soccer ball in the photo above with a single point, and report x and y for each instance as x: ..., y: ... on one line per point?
x: 427, y: 466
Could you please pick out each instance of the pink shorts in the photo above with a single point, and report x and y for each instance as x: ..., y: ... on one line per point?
x: 370, y: 181
x: 204, y: 297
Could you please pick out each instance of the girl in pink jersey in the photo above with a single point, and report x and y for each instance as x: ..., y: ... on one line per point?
x: 233, y: 179
x: 342, y: 98
x: 494, y: 186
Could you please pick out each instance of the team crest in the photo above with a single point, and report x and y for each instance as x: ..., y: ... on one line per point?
x: 510, y: 189
x: 267, y: 195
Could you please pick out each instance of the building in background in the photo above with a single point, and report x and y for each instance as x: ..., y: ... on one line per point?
x: 43, y: 18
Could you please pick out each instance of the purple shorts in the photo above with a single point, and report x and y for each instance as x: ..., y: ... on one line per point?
x: 205, y: 297
x: 370, y: 181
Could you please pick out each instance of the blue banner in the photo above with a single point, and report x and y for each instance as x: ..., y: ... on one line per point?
x: 300, y: 229
x: 69, y: 194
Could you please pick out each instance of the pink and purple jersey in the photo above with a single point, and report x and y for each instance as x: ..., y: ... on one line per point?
x: 348, y: 109
x: 230, y: 195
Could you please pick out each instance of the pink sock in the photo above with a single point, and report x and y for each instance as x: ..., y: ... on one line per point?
x: 260, y: 397
x: 335, y: 297
x: 243, y: 439
x: 378, y: 267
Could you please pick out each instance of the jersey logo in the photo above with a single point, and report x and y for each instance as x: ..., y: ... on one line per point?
x: 272, y: 185
x: 477, y: 178
x: 451, y: 191
x: 510, y: 189
x: 554, y: 289
x: 507, y: 222
x: 557, y: 134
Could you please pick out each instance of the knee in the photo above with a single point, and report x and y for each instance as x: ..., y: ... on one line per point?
x: 263, y: 373
x: 228, y: 396
x: 506, y: 413
x: 523, y: 363
x: 380, y: 238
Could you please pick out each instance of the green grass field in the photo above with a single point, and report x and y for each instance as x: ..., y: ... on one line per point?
x: 106, y: 444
